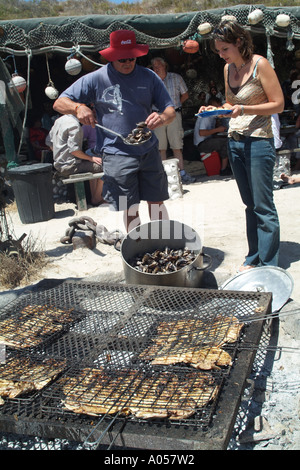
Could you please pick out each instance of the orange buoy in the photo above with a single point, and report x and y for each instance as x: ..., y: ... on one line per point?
x: 190, y: 46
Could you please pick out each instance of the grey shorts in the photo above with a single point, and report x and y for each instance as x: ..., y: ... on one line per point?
x: 83, y: 166
x: 130, y: 179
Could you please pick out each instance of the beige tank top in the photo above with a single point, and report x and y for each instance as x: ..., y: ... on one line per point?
x: 251, y: 93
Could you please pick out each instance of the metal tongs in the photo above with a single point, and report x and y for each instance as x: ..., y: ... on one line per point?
x: 130, y: 139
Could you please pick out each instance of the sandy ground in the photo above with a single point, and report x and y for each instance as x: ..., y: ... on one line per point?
x: 212, y: 206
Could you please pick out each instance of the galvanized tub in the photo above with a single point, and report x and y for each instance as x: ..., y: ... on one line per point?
x: 157, y: 235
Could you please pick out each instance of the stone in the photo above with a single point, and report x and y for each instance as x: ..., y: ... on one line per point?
x: 84, y: 239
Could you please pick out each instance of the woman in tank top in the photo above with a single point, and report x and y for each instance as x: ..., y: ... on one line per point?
x: 253, y: 94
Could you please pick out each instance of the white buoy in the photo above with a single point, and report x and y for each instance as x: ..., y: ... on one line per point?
x: 51, y: 92
x: 255, y: 16
x: 73, y: 66
x: 19, y: 82
x: 204, y: 28
x: 282, y: 20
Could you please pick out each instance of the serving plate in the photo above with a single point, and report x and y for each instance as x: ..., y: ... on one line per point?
x: 214, y: 112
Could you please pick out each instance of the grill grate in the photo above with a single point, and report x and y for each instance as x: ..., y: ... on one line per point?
x: 116, y: 348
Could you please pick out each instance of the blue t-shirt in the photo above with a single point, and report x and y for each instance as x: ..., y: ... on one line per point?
x: 121, y: 101
x: 203, y: 123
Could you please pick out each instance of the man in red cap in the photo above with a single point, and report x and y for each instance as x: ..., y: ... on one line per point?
x: 124, y: 94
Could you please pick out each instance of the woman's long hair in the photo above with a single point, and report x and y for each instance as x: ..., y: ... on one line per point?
x: 230, y: 31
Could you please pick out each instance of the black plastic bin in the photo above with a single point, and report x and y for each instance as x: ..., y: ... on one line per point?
x: 32, y: 187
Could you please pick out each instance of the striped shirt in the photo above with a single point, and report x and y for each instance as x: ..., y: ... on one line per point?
x: 176, y: 87
x: 251, y: 93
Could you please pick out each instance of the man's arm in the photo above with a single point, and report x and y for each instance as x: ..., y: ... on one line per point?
x: 184, y: 97
x: 65, y: 106
x: 83, y: 156
x: 83, y: 113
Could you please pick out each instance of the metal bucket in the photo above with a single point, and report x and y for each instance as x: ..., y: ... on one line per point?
x: 157, y: 235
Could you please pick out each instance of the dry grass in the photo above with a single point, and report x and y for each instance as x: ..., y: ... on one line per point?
x: 21, y: 266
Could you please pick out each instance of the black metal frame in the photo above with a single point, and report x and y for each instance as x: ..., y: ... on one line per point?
x: 103, y: 322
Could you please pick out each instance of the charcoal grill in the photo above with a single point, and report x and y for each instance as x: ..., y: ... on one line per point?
x: 112, y: 325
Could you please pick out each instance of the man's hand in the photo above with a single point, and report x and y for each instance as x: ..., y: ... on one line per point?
x: 97, y: 160
x: 155, y: 119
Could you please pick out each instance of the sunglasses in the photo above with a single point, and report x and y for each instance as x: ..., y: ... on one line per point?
x: 125, y: 60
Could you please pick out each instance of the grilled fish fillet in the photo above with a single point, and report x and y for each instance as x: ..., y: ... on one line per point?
x: 28, y: 334
x: 193, y: 342
x: 174, y: 409
x: 93, y: 392
x: 205, y: 358
x: 12, y: 389
x: 178, y: 399
x: 162, y: 395
x: 46, y: 311
x: 215, y: 333
x: 31, y: 326
x: 225, y: 330
x: 21, y: 375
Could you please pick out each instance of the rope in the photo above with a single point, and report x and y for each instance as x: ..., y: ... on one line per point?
x: 29, y: 55
x: 90, y: 60
x: 50, y: 82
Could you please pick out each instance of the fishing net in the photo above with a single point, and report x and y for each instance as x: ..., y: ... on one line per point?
x: 150, y: 29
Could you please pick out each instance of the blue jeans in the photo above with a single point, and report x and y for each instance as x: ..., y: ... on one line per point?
x: 252, y: 162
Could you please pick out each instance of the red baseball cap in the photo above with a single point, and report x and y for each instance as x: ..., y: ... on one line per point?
x: 123, y: 46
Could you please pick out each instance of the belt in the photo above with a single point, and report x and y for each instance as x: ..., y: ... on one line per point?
x: 237, y: 137
x: 178, y: 110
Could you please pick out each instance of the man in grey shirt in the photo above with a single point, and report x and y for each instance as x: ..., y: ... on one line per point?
x: 65, y: 139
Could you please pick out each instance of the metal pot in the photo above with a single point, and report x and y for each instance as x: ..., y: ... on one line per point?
x: 156, y: 235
